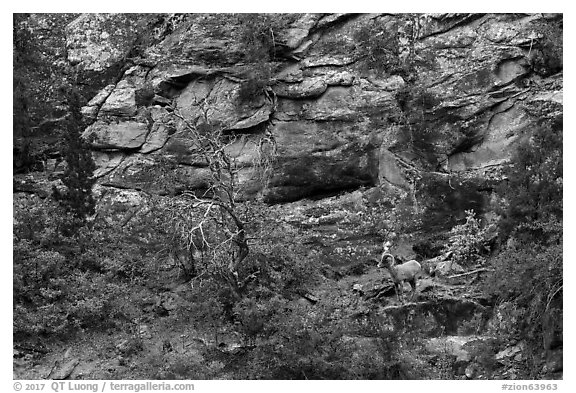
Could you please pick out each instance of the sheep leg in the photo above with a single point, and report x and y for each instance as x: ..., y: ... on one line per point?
x: 413, y: 286
x: 398, y: 287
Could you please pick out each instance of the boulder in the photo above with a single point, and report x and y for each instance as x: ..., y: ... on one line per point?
x: 144, y: 331
x: 306, y: 88
x: 313, y: 86
x: 495, y: 146
x: 251, y: 118
x: 217, y: 102
x: 90, y: 110
x: 471, y: 371
x: 118, y: 135
x: 163, y: 177
x: 156, y: 139
x: 98, y: 41
x: 117, y: 206
x: 448, y: 267
x: 451, y: 345
x: 63, y: 369
x: 121, y: 102
x: 511, y: 353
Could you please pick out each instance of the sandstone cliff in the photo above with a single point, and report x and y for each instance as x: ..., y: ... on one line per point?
x: 352, y: 100
x: 426, y: 106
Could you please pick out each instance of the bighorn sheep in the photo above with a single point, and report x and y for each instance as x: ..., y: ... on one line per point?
x: 408, y: 271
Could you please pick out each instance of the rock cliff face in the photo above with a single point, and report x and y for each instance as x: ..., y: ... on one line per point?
x: 351, y: 100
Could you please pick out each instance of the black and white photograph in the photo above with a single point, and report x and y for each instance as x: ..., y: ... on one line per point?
x: 287, y: 196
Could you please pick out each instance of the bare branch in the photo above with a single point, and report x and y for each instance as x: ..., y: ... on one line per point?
x: 472, y: 272
x: 210, y: 222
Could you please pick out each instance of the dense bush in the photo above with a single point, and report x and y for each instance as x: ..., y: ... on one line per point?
x: 63, y: 283
x: 144, y: 96
x: 378, y: 44
x: 535, y: 186
x: 258, y: 39
x: 323, y: 342
x: 288, y: 337
x: 470, y: 241
x: 50, y: 297
x: 378, y: 48
x: 546, y: 47
x: 529, y: 275
x: 530, y: 279
x: 38, y: 68
x: 447, y: 198
x: 528, y: 272
x: 255, y: 85
x: 257, y: 36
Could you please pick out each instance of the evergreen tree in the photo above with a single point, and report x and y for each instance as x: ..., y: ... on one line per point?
x: 24, y: 52
x: 79, y: 174
x: 23, y: 57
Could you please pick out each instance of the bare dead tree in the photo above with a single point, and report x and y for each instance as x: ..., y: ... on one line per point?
x: 208, y: 221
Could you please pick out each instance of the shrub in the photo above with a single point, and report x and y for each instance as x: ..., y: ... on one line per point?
x: 528, y: 272
x: 444, y: 200
x: 416, y: 102
x: 547, y: 58
x: 534, y: 188
x: 255, y: 85
x: 378, y: 46
x: 302, y: 345
x: 379, y: 49
x: 144, y: 96
x: 469, y: 241
x: 530, y: 279
x: 62, y: 284
x: 529, y: 275
x: 323, y: 342
x: 51, y: 298
x: 258, y: 34
x: 406, y: 217
x: 190, y: 365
